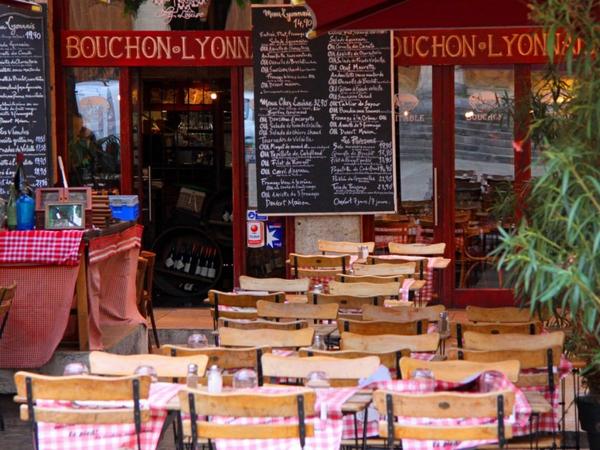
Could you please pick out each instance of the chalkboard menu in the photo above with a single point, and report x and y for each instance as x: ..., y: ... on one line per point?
x: 324, y: 128
x: 24, y: 111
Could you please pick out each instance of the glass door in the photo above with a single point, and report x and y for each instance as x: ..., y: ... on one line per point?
x: 484, y: 174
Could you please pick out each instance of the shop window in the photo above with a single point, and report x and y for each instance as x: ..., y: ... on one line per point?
x: 413, y: 114
x: 94, y: 137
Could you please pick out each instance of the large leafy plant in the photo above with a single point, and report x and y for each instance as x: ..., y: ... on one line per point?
x: 553, y: 256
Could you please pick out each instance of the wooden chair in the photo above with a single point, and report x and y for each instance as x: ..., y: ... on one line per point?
x: 500, y: 315
x: 343, y: 247
x: 34, y: 387
x: 385, y: 269
x: 227, y: 359
x: 379, y: 327
x: 417, y: 249
x: 444, y: 405
x: 391, y: 360
x: 456, y: 371
x: 147, y: 298
x: 140, y: 278
x: 200, y: 406
x: 426, y: 343
x: 295, y: 311
x: 365, y: 289
x: 234, y: 300
x: 341, y: 372
x: 375, y: 279
x: 102, y: 363
x: 233, y: 337
x: 402, y: 230
x: 349, y: 306
x: 318, y: 266
x: 300, y: 286
x: 509, y: 341
x: 459, y: 329
x: 402, y: 313
x: 262, y: 324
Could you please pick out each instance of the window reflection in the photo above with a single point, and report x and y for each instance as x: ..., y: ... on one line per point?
x: 94, y: 137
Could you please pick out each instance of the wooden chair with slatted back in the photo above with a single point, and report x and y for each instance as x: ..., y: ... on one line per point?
x: 375, y: 279
x: 343, y: 247
x: 385, y: 269
x: 140, y: 279
x: 444, y: 405
x: 295, y: 311
x: 401, y: 230
x: 257, y: 324
x: 147, y: 294
x: 510, y: 341
x: 402, y: 313
x: 243, y: 306
x: 349, y: 305
x: 299, y: 286
x: 425, y: 343
x: 391, y: 360
x: 458, y: 329
x: 509, y: 314
x: 225, y: 358
x: 233, y: 337
x: 341, y: 372
x: 199, y: 406
x: 379, y: 327
x: 436, y: 249
x: 386, y: 290
x: 102, y: 363
x: 7, y: 295
x: 455, y: 371
x: 34, y: 387
x: 318, y: 267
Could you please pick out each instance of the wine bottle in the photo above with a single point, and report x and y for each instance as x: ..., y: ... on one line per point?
x: 204, y: 267
x: 170, y: 261
x: 11, y: 209
x: 212, y: 271
x: 179, y: 263
x: 188, y: 260
x: 198, y: 270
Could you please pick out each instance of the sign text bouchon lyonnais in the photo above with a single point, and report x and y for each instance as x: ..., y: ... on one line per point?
x: 464, y: 46
x: 158, y: 48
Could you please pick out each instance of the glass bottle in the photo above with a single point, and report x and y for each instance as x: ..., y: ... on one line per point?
x: 25, y: 205
x: 11, y: 209
x: 192, y: 376
x: 215, y: 380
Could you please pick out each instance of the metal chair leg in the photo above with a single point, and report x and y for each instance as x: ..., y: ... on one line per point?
x: 150, y: 311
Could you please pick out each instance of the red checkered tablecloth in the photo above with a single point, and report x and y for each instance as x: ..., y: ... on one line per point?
x: 38, y: 247
x: 110, y: 436
x: 518, y: 419
x: 426, y: 294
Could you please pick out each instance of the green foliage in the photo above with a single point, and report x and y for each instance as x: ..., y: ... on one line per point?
x: 553, y: 256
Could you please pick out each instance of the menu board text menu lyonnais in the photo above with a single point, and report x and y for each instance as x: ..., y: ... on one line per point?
x: 23, y: 96
x: 323, y: 116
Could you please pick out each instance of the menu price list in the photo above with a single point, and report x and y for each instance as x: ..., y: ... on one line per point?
x: 324, y: 126
x: 23, y: 96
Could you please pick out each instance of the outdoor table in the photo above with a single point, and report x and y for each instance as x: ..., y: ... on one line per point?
x: 92, y: 272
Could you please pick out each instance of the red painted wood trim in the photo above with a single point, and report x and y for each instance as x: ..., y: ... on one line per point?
x: 483, y: 297
x: 368, y: 228
x: 60, y: 21
x: 443, y: 164
x: 126, y: 131
x: 522, y: 147
x: 290, y: 239
x: 238, y: 174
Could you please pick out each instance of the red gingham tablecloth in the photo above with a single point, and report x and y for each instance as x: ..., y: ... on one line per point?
x: 518, y: 419
x: 328, y: 432
x: 110, y: 436
x: 38, y: 247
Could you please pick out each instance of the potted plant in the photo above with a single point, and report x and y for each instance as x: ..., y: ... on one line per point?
x: 553, y: 255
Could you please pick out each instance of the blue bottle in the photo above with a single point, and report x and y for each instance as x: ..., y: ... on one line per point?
x: 25, y: 212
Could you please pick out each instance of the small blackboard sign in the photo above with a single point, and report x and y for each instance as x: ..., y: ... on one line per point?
x: 24, y: 106
x: 324, y: 128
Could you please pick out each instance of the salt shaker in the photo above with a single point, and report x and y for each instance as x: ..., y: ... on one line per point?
x: 363, y: 252
x: 215, y: 380
x: 192, y: 376
x: 318, y: 288
x: 444, y: 325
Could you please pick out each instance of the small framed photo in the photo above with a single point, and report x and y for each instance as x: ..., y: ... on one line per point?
x: 65, y: 216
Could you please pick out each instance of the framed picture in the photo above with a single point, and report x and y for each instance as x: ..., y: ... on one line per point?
x: 79, y: 194
x: 44, y: 196
x: 65, y: 216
